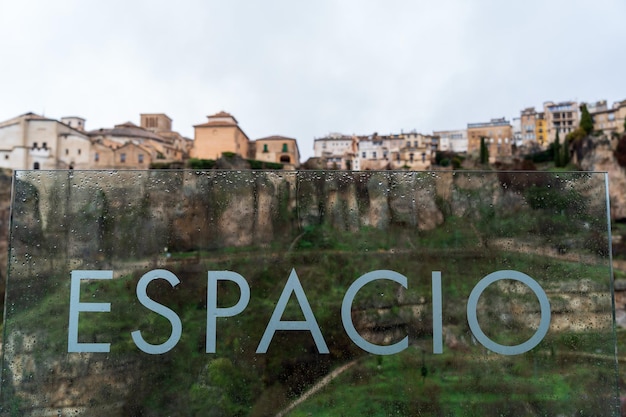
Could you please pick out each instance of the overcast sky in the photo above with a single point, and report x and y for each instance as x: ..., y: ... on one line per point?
x: 306, y: 68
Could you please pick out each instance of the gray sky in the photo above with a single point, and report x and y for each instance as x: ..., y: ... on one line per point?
x: 304, y: 69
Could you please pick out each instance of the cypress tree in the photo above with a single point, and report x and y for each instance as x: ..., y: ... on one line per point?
x: 484, y: 151
x: 557, y: 150
x: 566, y: 158
x: 586, y: 121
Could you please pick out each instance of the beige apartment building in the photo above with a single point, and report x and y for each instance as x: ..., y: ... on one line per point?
x: 608, y: 120
x: 560, y: 117
x: 220, y: 134
x: 620, y: 116
x: 498, y: 134
x: 416, y: 152
x: 533, y: 126
x: 541, y: 128
x: 528, y: 124
x: 278, y: 149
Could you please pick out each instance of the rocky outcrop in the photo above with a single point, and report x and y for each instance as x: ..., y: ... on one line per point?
x: 597, y: 154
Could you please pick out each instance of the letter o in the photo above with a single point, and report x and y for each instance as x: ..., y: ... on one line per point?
x: 472, y: 319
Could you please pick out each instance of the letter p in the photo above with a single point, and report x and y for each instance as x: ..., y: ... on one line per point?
x: 213, y: 312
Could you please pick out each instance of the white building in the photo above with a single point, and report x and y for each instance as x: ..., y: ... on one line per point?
x: 337, y: 151
x: 31, y: 141
x: 452, y: 140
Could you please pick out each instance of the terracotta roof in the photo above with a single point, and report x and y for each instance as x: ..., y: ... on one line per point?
x: 27, y: 116
x: 276, y: 137
x: 222, y: 114
x: 218, y: 123
x: 127, y: 129
x: 126, y: 124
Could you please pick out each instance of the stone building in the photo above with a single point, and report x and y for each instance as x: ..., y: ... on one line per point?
x: 608, y: 120
x: 31, y: 141
x: 417, y: 151
x: 148, y: 147
x: 220, y: 134
x: 161, y: 124
x: 498, y: 134
x: 278, y: 149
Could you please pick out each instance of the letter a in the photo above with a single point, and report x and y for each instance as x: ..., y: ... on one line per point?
x: 310, y: 324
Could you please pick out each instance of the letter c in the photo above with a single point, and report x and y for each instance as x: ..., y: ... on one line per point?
x: 346, y: 317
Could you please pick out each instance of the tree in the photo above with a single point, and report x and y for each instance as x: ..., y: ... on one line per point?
x: 566, y: 156
x: 484, y: 151
x: 620, y: 151
x: 586, y: 121
x: 557, y: 150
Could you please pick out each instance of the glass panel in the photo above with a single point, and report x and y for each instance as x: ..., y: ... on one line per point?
x: 249, y: 293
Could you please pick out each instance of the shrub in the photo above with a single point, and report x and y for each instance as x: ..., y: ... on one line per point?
x: 201, y: 163
x: 254, y: 164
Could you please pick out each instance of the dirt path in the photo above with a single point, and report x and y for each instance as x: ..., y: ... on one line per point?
x: 315, y: 388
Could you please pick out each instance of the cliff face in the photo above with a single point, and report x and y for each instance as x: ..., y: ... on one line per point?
x: 182, y: 211
x: 597, y: 154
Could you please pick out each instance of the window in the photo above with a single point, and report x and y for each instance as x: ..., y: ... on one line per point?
x: 374, y: 155
x: 96, y: 157
x: 265, y: 148
x: 44, y: 145
x: 36, y: 165
x: 364, y: 155
x: 140, y: 158
x: 34, y: 145
x: 285, y: 148
x: 79, y: 151
x: 123, y: 157
x: 67, y: 151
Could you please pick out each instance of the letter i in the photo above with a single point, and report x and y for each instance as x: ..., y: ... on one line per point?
x: 437, y: 313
